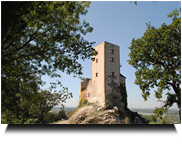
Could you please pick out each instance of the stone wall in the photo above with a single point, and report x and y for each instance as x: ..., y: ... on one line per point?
x: 104, y: 88
x: 122, y: 79
x: 98, y: 89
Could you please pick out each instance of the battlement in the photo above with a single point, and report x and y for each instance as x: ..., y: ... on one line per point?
x: 84, y: 83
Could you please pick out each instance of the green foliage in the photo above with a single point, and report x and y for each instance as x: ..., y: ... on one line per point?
x: 153, y: 118
x: 62, y: 113
x: 69, y: 114
x: 174, y: 14
x: 37, y: 109
x: 83, y: 102
x: 145, y: 118
x: 46, y: 38
x: 53, y: 117
x: 157, y: 59
x: 31, y: 121
x: 159, y: 114
x: 169, y: 119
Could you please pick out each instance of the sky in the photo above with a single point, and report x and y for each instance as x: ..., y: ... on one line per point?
x: 117, y: 22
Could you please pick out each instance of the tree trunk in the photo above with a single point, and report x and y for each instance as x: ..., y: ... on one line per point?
x: 179, y: 110
x: 178, y: 93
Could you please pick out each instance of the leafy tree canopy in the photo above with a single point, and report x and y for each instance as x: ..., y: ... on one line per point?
x: 157, y: 59
x: 45, y: 38
x: 159, y: 114
x: 36, y: 108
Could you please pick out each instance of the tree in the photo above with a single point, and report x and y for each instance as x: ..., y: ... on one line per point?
x: 45, y: 38
x: 8, y: 12
x: 49, y: 100
x: 157, y: 58
x: 17, y: 93
x: 36, y: 109
x: 159, y: 113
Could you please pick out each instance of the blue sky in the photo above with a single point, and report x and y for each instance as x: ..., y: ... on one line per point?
x: 118, y: 22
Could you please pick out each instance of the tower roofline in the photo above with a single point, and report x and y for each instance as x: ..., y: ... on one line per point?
x: 122, y: 75
x: 110, y: 43
x: 105, y: 42
x: 99, y: 43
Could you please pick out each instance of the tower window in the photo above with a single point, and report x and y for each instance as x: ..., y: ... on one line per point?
x: 112, y: 59
x: 97, y: 60
x: 112, y: 51
x: 113, y: 74
x: 88, y: 94
x: 96, y: 75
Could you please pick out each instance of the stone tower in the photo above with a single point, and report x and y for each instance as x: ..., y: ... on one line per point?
x: 103, y: 87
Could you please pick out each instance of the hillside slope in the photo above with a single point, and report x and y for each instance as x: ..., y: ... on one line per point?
x: 92, y: 114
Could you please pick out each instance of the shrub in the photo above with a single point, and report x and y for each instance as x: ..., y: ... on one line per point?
x: 62, y: 113
x: 126, y: 120
x: 69, y: 114
x: 31, y: 121
x: 83, y: 102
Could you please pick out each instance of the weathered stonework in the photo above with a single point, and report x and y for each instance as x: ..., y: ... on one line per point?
x: 103, y: 87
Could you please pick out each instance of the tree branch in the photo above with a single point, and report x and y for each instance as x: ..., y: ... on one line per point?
x: 161, y: 101
x: 28, y: 42
x: 25, y: 43
x: 34, y: 54
x: 169, y: 83
x: 156, y: 61
x: 25, y: 74
x: 8, y: 45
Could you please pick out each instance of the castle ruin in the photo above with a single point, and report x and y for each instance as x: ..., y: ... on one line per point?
x: 103, y: 87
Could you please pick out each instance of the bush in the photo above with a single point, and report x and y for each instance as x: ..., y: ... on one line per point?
x: 126, y: 120
x: 83, y: 102
x: 69, y: 114
x: 62, y: 113
x: 153, y: 118
x: 31, y: 121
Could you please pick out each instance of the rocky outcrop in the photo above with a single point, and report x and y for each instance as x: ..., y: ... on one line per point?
x: 104, y: 117
x: 94, y: 115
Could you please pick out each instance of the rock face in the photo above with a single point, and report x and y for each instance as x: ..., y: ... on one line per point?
x: 105, y: 117
x: 94, y: 115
